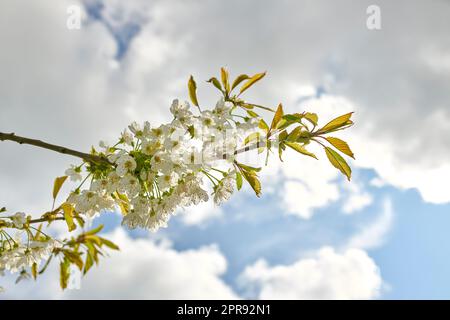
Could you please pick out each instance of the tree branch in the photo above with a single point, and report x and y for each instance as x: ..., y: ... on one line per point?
x: 45, y: 219
x: 41, y: 144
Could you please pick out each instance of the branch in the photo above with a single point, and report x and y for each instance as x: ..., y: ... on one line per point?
x: 45, y: 219
x: 41, y: 144
x: 90, y: 157
x: 257, y: 145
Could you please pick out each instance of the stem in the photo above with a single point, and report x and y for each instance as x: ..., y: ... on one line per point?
x: 46, y: 219
x: 41, y: 144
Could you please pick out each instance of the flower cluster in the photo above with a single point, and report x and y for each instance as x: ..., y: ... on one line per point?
x: 18, y: 255
x: 158, y: 169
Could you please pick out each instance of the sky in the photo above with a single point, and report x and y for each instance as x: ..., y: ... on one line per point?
x: 312, y: 234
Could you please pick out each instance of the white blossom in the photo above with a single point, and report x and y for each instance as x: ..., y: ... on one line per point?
x: 159, y: 169
x: 19, y: 219
x: 125, y: 164
x: 74, y: 173
x: 224, y: 189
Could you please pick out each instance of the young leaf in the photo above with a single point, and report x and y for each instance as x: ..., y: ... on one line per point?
x: 281, y: 148
x: 282, y: 136
x: 225, y: 82
x: 252, y: 179
x: 293, y: 117
x: 64, y: 273
x: 249, y: 168
x: 252, y: 137
x: 59, y: 181
x: 68, y: 215
x: 338, y: 162
x: 238, y: 80
x: 238, y: 180
x: 277, y: 117
x: 124, y: 203
x: 94, y: 231
x: 74, y: 257
x: 341, y: 145
x: 191, y: 131
x: 311, y: 117
x: 252, y: 81
x: 215, y: 82
x: 34, y: 271
x: 336, y: 123
x: 263, y: 125
x: 293, y: 136
x: 88, y: 263
x: 109, y: 244
x: 192, y: 86
x: 300, y: 148
x: 252, y: 114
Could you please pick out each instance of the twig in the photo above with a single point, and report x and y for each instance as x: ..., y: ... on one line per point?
x: 38, y: 143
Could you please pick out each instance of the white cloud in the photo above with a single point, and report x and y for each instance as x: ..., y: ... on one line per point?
x: 357, y: 199
x: 326, y: 275
x: 142, y: 269
x: 374, y: 234
x: 200, y: 214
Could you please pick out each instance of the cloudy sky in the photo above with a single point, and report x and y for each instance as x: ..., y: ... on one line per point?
x: 312, y: 234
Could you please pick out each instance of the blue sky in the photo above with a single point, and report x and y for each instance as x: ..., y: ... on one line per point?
x: 387, y: 230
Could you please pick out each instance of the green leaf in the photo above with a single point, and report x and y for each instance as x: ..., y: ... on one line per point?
x: 34, y: 271
x: 59, y: 181
x: 281, y: 148
x: 252, y: 81
x: 252, y: 114
x: 293, y: 136
x: 277, y: 117
x: 64, y: 273
x: 92, y: 251
x: 215, y: 82
x: 337, y: 123
x: 338, y: 162
x: 341, y: 145
x: 292, y: 117
x: 238, y: 180
x: 249, y: 168
x: 192, y: 86
x: 94, y: 239
x: 300, y: 148
x: 124, y: 203
x: 74, y: 257
x: 311, y: 117
x: 263, y: 125
x: 88, y: 263
x: 252, y: 137
x: 282, y: 136
x: 253, y: 180
x: 109, y: 244
x: 2, y: 209
x: 225, y: 82
x: 191, y: 131
x: 68, y: 215
x: 94, y: 231
x: 246, y: 105
x: 79, y: 220
x: 238, y: 80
